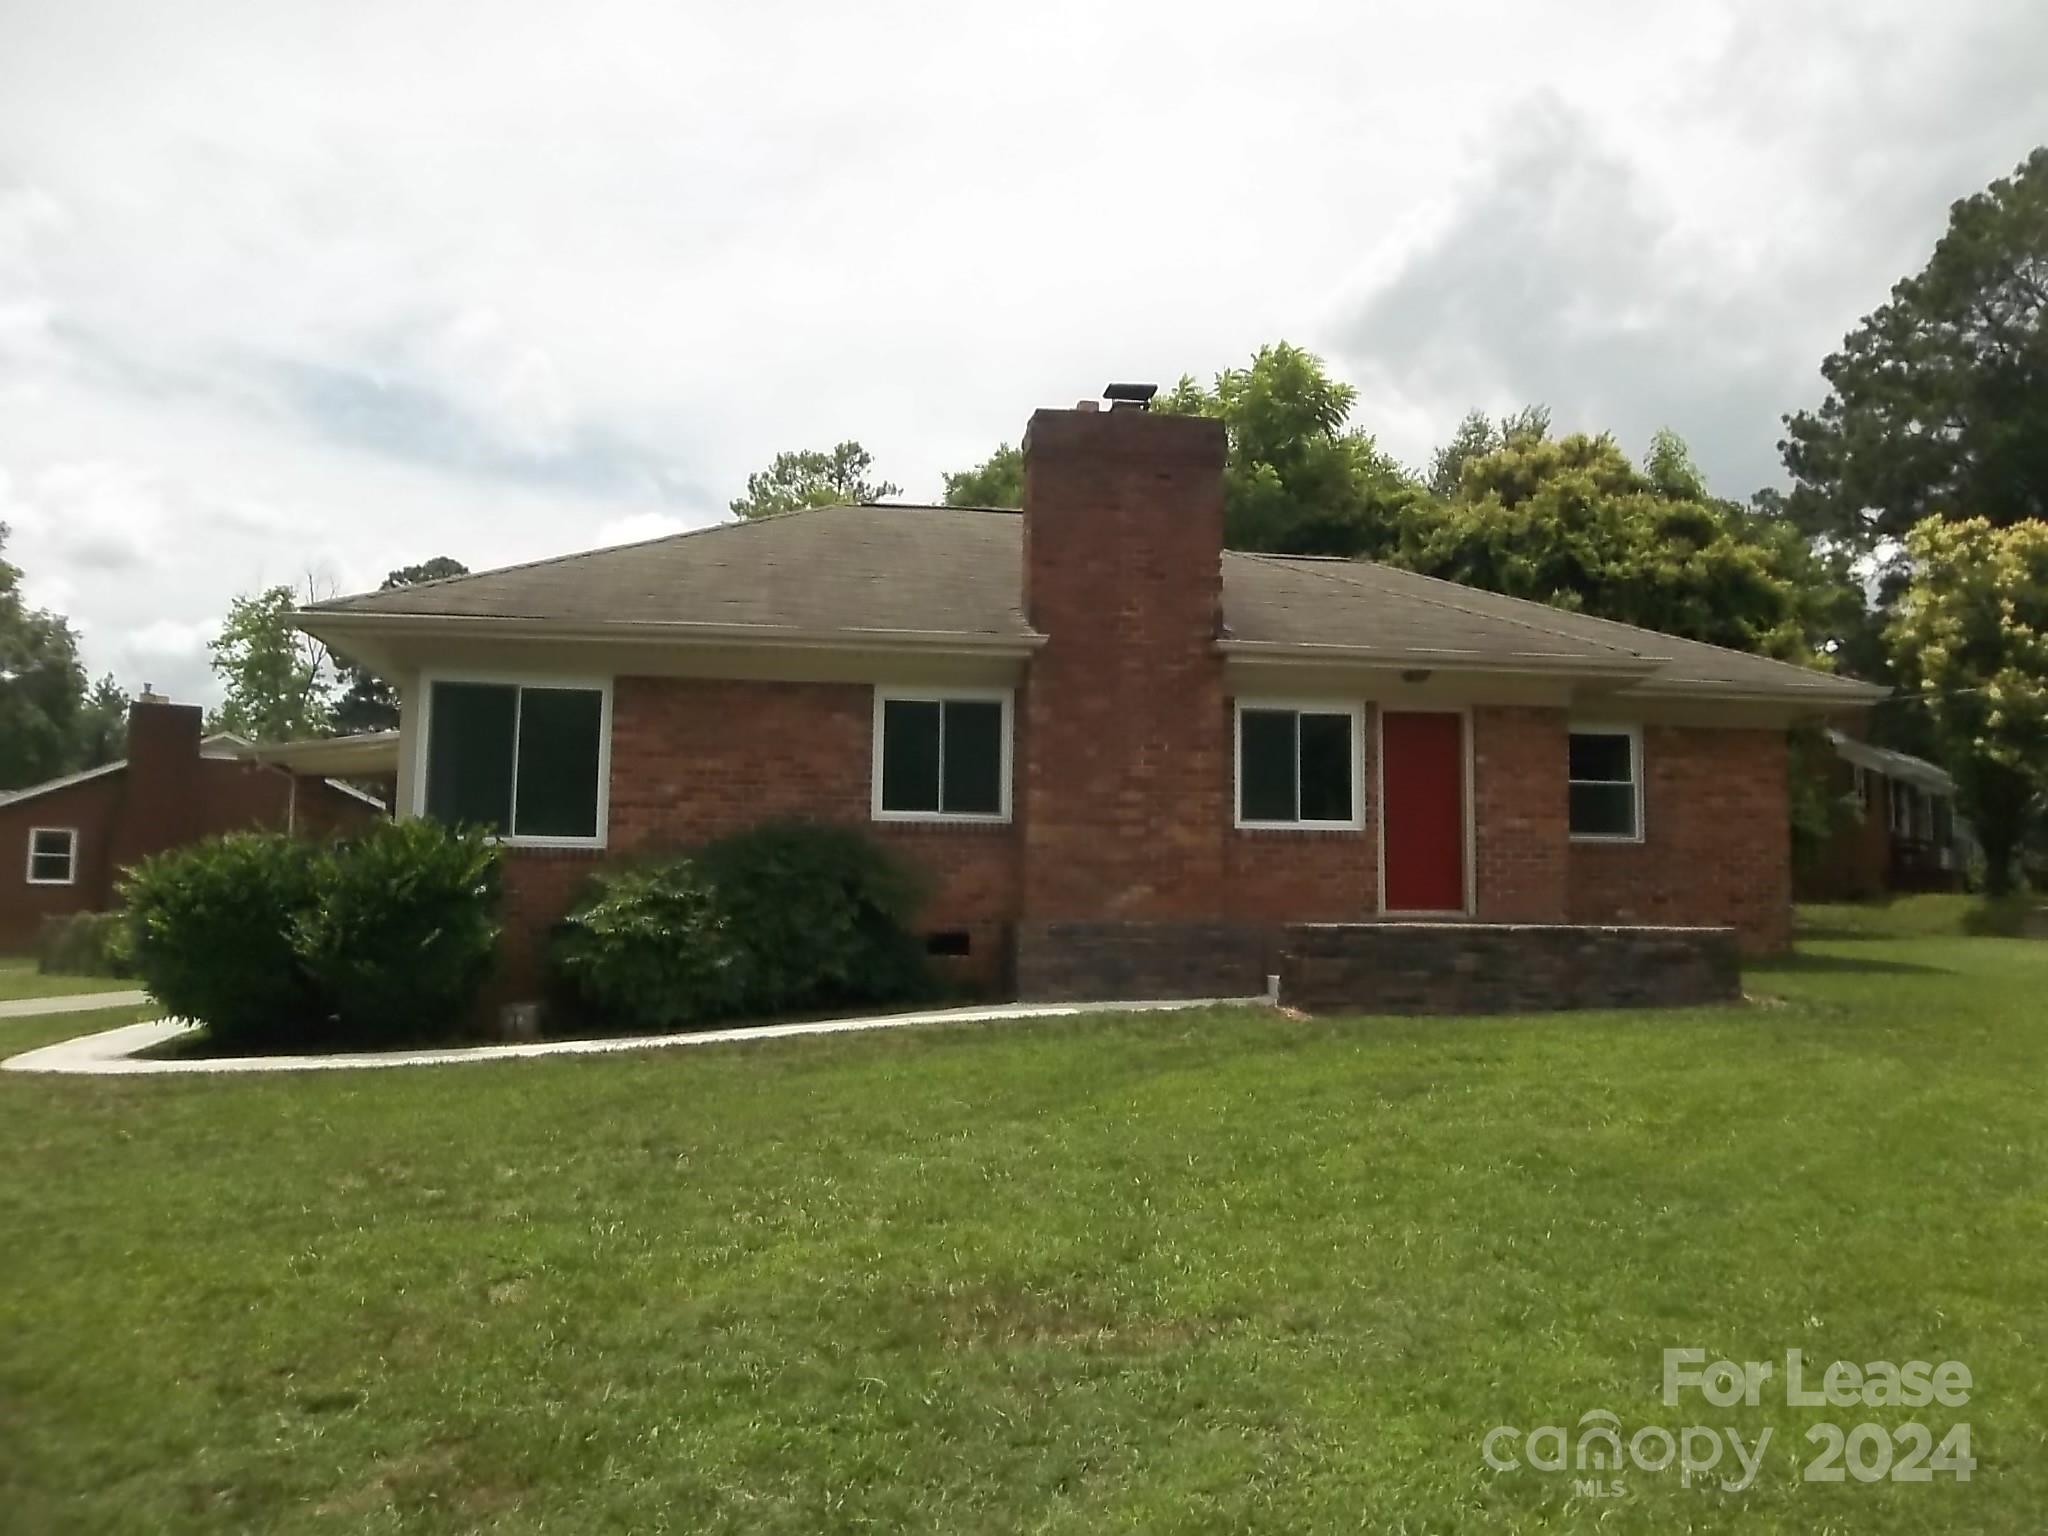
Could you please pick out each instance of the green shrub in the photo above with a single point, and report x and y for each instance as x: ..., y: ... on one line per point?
x: 85, y: 944
x: 211, y: 925
x: 647, y: 947
x: 277, y: 944
x: 821, y: 915
x: 402, y: 931
x: 788, y: 917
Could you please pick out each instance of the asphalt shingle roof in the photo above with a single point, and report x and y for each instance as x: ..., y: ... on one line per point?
x: 946, y: 571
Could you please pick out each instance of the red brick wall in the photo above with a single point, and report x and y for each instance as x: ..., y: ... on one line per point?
x: 1519, y: 810
x: 693, y: 759
x: 1125, y: 792
x: 124, y: 816
x: 1717, y: 844
x: 1302, y: 877
x: 1518, y: 826
x: 89, y: 807
x: 539, y: 886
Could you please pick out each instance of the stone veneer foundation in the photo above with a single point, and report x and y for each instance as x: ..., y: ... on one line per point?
x: 1503, y: 968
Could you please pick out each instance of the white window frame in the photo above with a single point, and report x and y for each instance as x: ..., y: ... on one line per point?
x: 1352, y: 709
x: 70, y: 836
x: 905, y: 695
x: 1637, y: 773
x: 424, y: 736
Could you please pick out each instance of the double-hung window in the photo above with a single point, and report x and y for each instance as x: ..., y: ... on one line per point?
x: 526, y: 760
x: 1606, y: 774
x: 942, y: 756
x: 53, y: 856
x: 1298, y: 765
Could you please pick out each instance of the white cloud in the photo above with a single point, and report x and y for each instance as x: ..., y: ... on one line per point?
x: 293, y: 289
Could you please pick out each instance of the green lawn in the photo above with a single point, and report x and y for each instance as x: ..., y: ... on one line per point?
x: 19, y: 978
x: 1218, y: 1271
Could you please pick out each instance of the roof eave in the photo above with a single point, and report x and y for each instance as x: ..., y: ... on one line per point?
x: 1536, y: 664
x: 1840, y: 695
x: 319, y: 622
x: 29, y: 792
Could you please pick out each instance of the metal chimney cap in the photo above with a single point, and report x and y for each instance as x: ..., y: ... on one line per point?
x: 1126, y: 397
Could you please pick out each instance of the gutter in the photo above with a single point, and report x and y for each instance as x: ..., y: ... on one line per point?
x: 764, y: 636
x: 1522, y: 663
x: 1847, y: 693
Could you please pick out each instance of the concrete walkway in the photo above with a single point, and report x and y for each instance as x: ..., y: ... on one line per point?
x: 111, y: 1052
x: 76, y: 1002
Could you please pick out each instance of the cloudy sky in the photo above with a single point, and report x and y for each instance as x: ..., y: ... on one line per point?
x: 312, y: 291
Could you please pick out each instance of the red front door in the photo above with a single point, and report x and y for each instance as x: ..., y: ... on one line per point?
x: 1422, y: 809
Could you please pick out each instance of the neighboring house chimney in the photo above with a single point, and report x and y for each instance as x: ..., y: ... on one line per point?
x: 1125, y: 747
x: 160, y: 791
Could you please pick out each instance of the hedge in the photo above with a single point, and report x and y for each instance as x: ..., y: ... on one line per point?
x: 277, y: 944
x: 788, y: 917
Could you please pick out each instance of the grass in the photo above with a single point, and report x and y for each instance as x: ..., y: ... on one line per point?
x: 1919, y: 917
x: 1210, y: 1271
x: 19, y: 978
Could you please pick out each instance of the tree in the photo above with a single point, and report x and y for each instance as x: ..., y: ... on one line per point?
x: 1477, y: 436
x: 813, y: 478
x: 370, y: 703
x: 1298, y: 480
x: 41, y: 685
x: 101, y: 730
x: 1970, y: 632
x: 279, y: 681
x: 1938, y: 401
x: 1571, y: 522
x: 997, y: 481
x: 1669, y: 468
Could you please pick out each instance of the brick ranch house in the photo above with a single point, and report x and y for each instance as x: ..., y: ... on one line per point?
x: 1127, y: 757
x: 65, y: 844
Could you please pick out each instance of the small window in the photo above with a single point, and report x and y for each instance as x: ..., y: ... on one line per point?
x: 942, y: 757
x: 525, y: 761
x: 1606, y: 783
x: 53, y: 856
x: 1297, y: 767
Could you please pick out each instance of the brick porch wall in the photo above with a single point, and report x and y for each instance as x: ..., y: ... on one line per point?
x: 1717, y: 843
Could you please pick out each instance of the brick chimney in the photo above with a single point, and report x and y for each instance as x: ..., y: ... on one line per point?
x: 1125, y: 747
x: 160, y: 791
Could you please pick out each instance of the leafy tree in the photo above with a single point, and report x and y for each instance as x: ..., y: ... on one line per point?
x: 101, y: 731
x: 1573, y: 523
x: 1298, y: 480
x: 1970, y: 631
x: 1668, y: 466
x: 997, y: 481
x: 280, y: 681
x: 1477, y: 436
x: 370, y: 703
x: 41, y: 684
x: 1938, y: 401
x: 813, y: 478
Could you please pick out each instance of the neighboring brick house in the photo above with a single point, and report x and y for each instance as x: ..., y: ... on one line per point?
x: 1896, y: 829
x: 1124, y: 755
x: 64, y: 844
